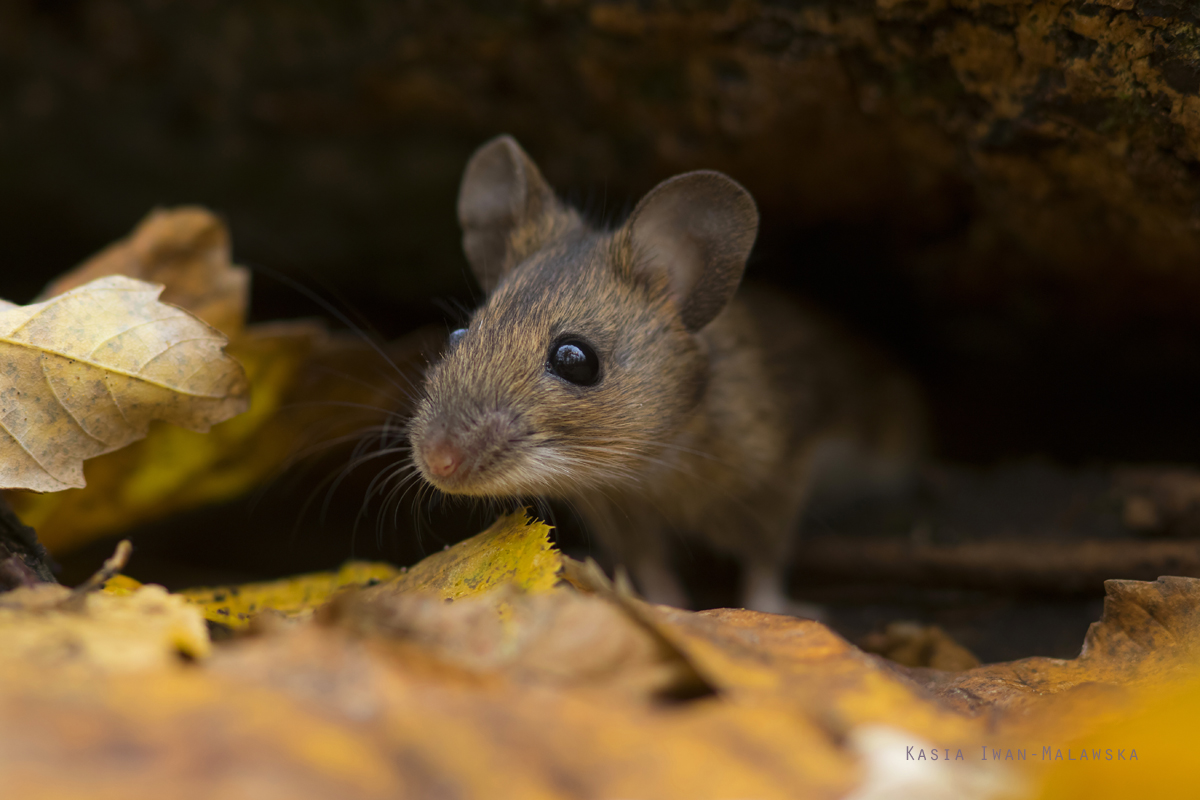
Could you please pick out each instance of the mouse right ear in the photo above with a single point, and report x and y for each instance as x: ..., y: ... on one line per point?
x: 502, y: 194
x: 693, y: 234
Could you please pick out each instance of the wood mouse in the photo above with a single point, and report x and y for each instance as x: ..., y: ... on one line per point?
x: 623, y: 371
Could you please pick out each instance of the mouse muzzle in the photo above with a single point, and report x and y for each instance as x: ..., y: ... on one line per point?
x: 465, y: 456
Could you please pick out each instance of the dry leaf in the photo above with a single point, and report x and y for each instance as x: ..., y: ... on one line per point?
x: 556, y: 638
x: 916, y: 645
x: 185, y: 249
x: 175, y: 469
x: 493, y: 738
x: 516, y: 551
x: 308, y: 387
x: 296, y: 597
x: 86, y: 372
x: 180, y: 734
x: 144, y: 630
x: 1149, y: 635
x: 561, y: 696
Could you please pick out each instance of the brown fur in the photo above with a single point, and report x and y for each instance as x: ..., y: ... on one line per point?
x: 714, y: 428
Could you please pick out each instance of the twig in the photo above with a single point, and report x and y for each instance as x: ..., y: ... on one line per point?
x: 111, y: 568
x: 1051, y: 567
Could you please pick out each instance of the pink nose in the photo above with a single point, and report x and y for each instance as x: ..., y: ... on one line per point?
x: 442, y: 457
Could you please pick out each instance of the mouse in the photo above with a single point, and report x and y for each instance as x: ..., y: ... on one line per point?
x: 626, y: 371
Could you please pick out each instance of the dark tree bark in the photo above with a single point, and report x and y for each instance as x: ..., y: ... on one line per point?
x: 1005, y: 192
x: 23, y: 560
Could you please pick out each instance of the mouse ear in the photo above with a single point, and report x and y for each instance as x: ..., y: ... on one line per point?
x: 695, y: 230
x: 502, y: 191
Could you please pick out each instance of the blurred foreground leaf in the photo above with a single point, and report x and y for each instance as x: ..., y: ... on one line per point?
x: 392, y: 691
x: 146, y: 629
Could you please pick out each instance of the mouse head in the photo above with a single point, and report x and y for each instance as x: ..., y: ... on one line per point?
x: 583, y: 365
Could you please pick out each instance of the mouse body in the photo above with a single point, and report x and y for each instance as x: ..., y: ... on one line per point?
x: 624, y: 372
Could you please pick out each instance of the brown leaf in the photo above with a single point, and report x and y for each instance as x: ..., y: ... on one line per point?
x: 559, y: 638
x: 495, y: 738
x: 915, y: 645
x: 1149, y: 634
x: 309, y: 388
x: 187, y: 250
x: 181, y: 734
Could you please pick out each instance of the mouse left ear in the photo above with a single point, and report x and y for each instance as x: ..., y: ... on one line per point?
x: 695, y: 231
x: 502, y: 193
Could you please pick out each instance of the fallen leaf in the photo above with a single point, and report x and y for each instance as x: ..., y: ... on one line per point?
x: 501, y: 738
x: 915, y: 645
x: 578, y: 692
x: 296, y: 597
x: 309, y: 389
x: 144, y: 630
x: 181, y: 734
x: 515, y: 551
x: 557, y: 638
x: 1149, y: 634
x: 1149, y: 752
x: 86, y: 372
x: 185, y: 249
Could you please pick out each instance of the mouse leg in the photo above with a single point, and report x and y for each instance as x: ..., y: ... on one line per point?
x: 764, y: 590
x: 639, y: 545
x: 657, y: 581
x: 767, y: 544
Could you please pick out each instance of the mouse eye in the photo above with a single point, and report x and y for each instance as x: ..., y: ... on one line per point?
x: 456, y: 336
x: 574, y: 360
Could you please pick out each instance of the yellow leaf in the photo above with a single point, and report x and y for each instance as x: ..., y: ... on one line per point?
x: 86, y: 372
x: 120, y: 585
x: 515, y: 551
x: 1150, y: 753
x: 235, y: 606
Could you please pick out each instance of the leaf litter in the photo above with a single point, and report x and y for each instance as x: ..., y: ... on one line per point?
x: 500, y: 668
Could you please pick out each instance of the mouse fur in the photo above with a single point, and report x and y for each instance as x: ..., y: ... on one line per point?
x: 717, y: 413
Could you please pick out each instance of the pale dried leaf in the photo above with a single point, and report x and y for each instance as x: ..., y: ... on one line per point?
x: 86, y: 372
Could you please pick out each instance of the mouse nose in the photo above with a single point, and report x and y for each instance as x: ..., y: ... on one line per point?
x: 442, y: 457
